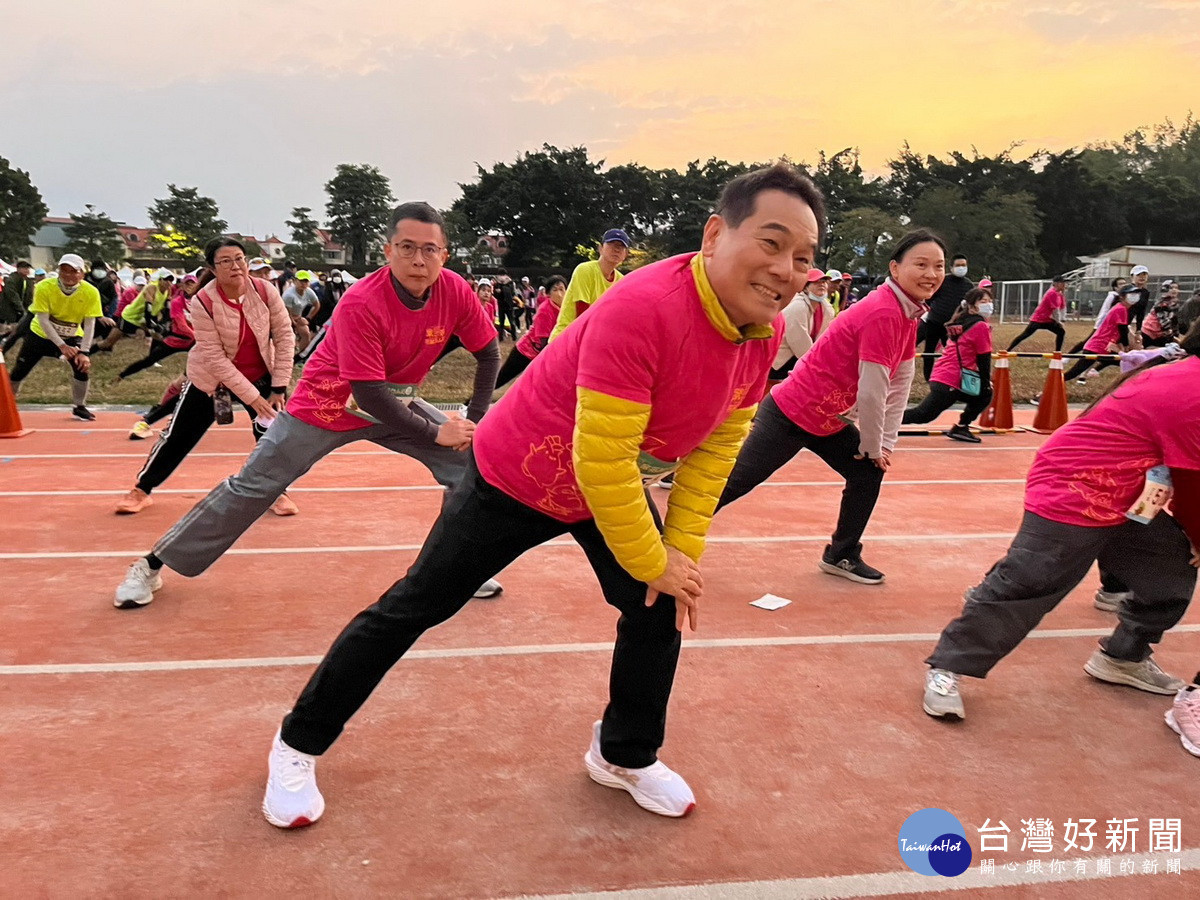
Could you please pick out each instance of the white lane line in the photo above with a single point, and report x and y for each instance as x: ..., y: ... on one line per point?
x: 266, y: 662
x: 394, y: 548
x: 883, y: 884
x: 435, y: 487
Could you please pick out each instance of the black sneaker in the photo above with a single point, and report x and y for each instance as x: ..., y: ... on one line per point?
x: 82, y: 412
x: 851, y: 569
x: 963, y: 433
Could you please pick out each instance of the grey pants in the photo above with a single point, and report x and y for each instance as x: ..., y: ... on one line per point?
x: 1045, y: 563
x: 287, y: 450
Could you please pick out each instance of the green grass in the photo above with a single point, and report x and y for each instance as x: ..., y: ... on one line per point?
x: 452, y: 378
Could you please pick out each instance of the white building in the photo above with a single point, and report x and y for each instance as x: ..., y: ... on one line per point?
x: 1174, y: 261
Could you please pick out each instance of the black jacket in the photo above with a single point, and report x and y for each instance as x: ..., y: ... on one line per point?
x: 943, y: 303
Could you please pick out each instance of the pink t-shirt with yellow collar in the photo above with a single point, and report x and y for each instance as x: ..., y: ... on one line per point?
x: 373, y: 336
x: 650, y: 342
x: 824, y: 384
x: 1091, y: 471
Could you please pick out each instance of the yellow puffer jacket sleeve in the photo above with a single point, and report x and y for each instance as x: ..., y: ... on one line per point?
x: 699, y: 481
x: 608, y: 438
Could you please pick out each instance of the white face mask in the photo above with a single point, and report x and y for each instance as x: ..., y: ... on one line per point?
x: 817, y: 297
x: 960, y: 271
x: 336, y: 280
x: 986, y: 309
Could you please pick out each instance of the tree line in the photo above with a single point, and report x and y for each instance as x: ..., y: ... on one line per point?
x: 1014, y: 218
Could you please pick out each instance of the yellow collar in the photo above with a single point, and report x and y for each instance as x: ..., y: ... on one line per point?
x: 716, y: 312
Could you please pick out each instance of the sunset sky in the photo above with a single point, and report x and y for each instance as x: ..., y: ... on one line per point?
x: 255, y: 104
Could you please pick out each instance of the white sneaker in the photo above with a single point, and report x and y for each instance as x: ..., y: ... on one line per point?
x: 1110, y: 601
x: 489, y: 589
x: 292, y: 799
x: 138, y: 587
x: 655, y: 787
x: 941, y: 694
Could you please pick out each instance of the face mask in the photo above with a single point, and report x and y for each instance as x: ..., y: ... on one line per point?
x: 960, y: 271
x: 67, y: 290
x: 336, y: 280
x: 817, y: 297
x: 986, y: 309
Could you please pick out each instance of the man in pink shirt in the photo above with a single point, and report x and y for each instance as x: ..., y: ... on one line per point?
x: 1048, y: 315
x: 604, y: 409
x: 361, y: 384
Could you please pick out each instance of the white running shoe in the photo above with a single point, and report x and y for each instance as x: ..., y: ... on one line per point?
x: 1184, y: 717
x: 941, y: 694
x: 138, y: 587
x: 1144, y: 675
x: 655, y: 787
x: 1110, y: 601
x: 489, y: 589
x: 292, y: 799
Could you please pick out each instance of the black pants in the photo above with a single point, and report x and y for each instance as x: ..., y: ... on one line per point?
x: 940, y: 398
x: 35, y: 349
x: 508, y: 319
x: 479, y: 532
x: 194, y: 415
x: 19, y: 331
x: 161, y: 411
x: 1082, y: 365
x: 158, y: 351
x: 1060, y: 333
x: 774, y: 439
x: 935, y: 333
x: 516, y: 363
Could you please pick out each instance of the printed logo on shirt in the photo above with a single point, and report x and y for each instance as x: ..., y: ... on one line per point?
x: 328, y: 408
x: 836, y: 403
x: 548, y: 465
x: 435, y: 335
x: 738, y: 396
x: 1099, y: 489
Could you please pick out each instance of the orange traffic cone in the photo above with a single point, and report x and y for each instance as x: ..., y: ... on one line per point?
x: 999, y: 414
x: 1052, y: 411
x: 10, y: 419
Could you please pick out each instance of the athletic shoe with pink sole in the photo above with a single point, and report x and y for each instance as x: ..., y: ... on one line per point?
x: 1184, y: 717
x: 292, y: 799
x: 655, y: 787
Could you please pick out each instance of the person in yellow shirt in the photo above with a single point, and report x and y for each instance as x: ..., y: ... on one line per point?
x: 65, y: 311
x: 593, y: 278
x: 144, y: 313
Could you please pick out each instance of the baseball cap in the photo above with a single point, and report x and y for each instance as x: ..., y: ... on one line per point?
x: 1139, y: 270
x: 303, y: 275
x: 1170, y: 282
x: 616, y: 234
x: 74, y: 260
x: 525, y: 279
x: 39, y: 271
x: 483, y: 282
x: 984, y: 283
x: 164, y: 273
x: 139, y: 280
x: 833, y: 275
x: 815, y: 275
x: 258, y: 263
x: 847, y: 276
x: 1130, y: 289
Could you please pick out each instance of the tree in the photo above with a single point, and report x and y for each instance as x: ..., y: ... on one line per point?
x: 21, y: 210
x: 1081, y: 211
x: 691, y: 197
x: 998, y: 233
x: 306, y: 245
x: 94, y: 235
x: 184, y: 222
x: 863, y: 239
x: 360, y: 202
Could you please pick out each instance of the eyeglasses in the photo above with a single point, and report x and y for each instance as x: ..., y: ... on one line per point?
x: 231, y: 261
x: 407, y: 250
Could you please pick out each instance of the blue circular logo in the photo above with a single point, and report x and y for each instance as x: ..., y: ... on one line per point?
x: 933, y: 842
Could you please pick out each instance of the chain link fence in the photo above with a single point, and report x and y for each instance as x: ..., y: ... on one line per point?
x: 1017, y: 300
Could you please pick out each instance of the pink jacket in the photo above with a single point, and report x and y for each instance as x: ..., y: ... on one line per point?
x: 210, y: 361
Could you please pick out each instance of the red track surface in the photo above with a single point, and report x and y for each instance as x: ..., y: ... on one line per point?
x: 802, y: 736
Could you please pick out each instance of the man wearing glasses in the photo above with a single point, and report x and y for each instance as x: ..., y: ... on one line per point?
x: 361, y: 384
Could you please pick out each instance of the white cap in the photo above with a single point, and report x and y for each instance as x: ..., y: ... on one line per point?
x: 74, y: 260
x: 482, y: 282
x: 1139, y: 270
x: 139, y: 280
x: 525, y: 278
x: 163, y: 273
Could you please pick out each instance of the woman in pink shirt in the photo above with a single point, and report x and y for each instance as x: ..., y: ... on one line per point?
x: 1047, y: 315
x: 1111, y: 337
x: 1096, y: 493
x: 535, y: 339
x: 864, y: 362
x: 177, y: 338
x: 243, y: 349
x: 969, y: 349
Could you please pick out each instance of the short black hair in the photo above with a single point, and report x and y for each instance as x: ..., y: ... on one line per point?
x: 418, y: 211
x: 99, y: 264
x: 957, y: 256
x: 24, y: 264
x: 549, y: 283
x: 1113, y: 284
x: 738, y: 198
x: 1057, y: 278
x: 211, y: 248
x: 912, y: 238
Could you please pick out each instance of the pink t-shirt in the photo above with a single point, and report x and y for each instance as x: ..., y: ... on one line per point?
x: 1092, y: 470
x: 490, y: 309
x: 972, y: 343
x: 674, y: 360
x: 824, y: 384
x: 373, y: 336
x: 1051, y: 301
x: 127, y: 296
x: 1109, y: 331
x: 535, y: 339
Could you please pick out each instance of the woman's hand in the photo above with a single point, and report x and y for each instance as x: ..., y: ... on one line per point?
x: 278, y: 401
x: 262, y: 408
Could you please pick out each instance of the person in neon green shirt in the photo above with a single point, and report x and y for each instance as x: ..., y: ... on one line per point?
x: 591, y: 279
x: 144, y: 312
x: 65, y: 311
